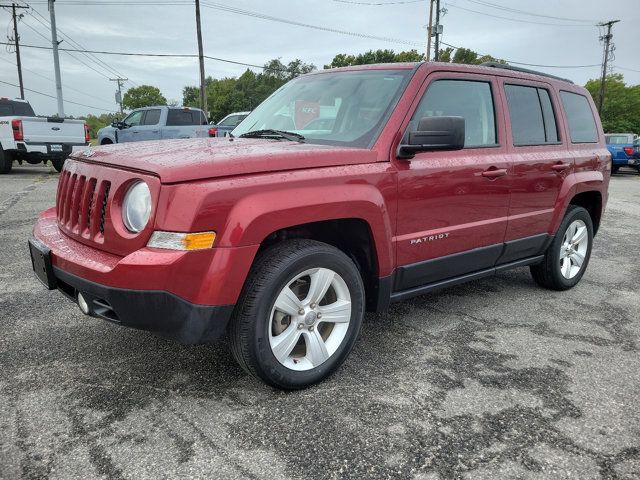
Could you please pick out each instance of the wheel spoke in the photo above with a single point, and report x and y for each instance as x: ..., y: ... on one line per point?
x: 579, y: 235
x: 577, y: 259
x: 287, y: 302
x: 316, y: 348
x: 337, y: 312
x: 320, y: 282
x: 566, y: 267
x: 282, y: 345
x: 571, y: 231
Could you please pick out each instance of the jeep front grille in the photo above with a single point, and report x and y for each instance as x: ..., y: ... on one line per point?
x: 81, y: 205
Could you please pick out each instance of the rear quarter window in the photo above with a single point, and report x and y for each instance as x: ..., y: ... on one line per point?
x: 177, y: 117
x: 18, y: 109
x: 582, y: 125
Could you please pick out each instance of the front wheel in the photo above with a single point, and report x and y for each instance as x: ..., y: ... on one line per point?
x: 299, y: 314
x: 568, y: 255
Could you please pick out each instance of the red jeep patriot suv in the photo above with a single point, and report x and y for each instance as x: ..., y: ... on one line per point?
x: 344, y: 191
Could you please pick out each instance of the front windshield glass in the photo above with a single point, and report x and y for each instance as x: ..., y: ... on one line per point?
x: 341, y: 108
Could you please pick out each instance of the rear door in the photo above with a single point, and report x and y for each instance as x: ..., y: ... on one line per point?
x: 453, y: 205
x: 541, y: 161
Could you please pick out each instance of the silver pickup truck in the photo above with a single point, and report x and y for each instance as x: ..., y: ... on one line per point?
x: 156, y: 123
x: 27, y: 138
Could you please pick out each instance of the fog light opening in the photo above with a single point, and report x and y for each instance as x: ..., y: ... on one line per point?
x: 83, y: 304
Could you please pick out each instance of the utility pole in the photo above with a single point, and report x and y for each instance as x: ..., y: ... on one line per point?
x: 607, y: 51
x: 119, y: 92
x: 203, y: 90
x: 56, y: 59
x: 436, y: 46
x: 429, y: 31
x: 16, y: 39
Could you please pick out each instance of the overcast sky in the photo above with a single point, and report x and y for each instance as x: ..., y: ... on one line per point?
x: 170, y: 28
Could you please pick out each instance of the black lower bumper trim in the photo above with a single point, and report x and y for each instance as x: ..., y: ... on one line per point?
x: 156, y: 311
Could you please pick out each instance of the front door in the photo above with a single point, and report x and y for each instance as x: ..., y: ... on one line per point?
x: 453, y: 205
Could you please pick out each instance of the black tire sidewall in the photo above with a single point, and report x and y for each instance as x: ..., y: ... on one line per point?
x: 266, y: 364
x: 58, y: 164
x: 6, y: 162
x: 576, y: 213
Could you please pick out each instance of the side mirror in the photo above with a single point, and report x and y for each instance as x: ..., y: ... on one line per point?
x: 116, y: 123
x: 434, y: 133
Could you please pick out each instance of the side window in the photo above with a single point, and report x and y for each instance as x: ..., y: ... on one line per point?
x: 531, y: 115
x: 469, y: 99
x: 152, y: 117
x: 177, y: 117
x: 230, y: 121
x: 582, y: 126
x: 134, y: 119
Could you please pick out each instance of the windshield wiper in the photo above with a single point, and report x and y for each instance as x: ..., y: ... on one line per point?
x: 294, y: 137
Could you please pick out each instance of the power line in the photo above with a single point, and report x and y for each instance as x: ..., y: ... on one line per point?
x: 96, y: 60
x: 49, y: 79
x: 248, y: 13
x: 54, y: 97
x: 518, y: 19
x: 379, y: 4
x: 524, y: 12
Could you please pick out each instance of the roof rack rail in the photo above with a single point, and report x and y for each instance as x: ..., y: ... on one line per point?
x: 523, y: 70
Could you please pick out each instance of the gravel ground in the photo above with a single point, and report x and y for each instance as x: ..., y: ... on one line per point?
x: 494, y: 379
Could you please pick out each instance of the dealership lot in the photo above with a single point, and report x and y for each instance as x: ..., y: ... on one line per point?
x: 494, y: 379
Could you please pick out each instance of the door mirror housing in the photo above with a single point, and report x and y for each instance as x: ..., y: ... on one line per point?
x: 434, y: 133
x: 117, y: 123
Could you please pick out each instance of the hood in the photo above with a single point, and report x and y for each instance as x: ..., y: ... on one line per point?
x: 193, y: 159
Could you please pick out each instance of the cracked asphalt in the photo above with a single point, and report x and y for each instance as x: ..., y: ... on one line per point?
x: 494, y: 379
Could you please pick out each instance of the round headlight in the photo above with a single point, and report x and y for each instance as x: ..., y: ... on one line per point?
x: 136, y: 208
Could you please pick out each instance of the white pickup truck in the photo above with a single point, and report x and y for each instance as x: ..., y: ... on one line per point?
x: 25, y: 137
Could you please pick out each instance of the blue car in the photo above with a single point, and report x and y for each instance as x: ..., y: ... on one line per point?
x: 624, y: 150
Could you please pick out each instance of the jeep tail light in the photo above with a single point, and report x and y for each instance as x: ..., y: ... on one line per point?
x: 16, y: 126
x: 87, y: 133
x: 213, y: 132
x: 628, y: 150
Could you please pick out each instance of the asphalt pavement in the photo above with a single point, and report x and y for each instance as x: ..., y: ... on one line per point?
x: 494, y: 379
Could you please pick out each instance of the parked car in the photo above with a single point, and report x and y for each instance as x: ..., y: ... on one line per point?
x: 228, y: 123
x: 27, y: 138
x: 156, y: 123
x: 622, y: 148
x: 431, y: 175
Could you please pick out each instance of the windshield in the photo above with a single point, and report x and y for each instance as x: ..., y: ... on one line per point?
x: 342, y: 108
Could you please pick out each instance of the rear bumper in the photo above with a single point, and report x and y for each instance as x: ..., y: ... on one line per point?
x: 46, y: 150
x: 624, y: 162
x: 159, y: 312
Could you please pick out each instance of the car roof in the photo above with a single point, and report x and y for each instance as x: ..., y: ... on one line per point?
x: 489, y: 68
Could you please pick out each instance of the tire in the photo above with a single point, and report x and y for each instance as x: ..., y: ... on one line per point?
x: 615, y: 168
x: 555, y: 273
x: 58, y: 164
x: 106, y: 141
x: 6, y: 162
x: 257, y: 323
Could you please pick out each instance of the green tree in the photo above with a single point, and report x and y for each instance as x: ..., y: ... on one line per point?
x: 465, y: 56
x: 96, y: 122
x: 143, y: 96
x: 374, y: 56
x: 621, y: 108
x: 231, y: 94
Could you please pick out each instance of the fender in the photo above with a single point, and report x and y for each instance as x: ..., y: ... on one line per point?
x: 573, y: 184
x: 255, y: 217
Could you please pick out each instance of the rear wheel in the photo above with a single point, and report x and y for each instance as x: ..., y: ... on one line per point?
x: 299, y: 314
x: 58, y: 164
x: 568, y: 255
x: 615, y: 169
x: 6, y: 162
x: 106, y: 141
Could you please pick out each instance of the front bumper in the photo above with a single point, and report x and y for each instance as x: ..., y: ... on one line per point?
x: 188, y: 296
x: 159, y: 312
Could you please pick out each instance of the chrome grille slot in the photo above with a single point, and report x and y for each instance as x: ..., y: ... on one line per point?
x: 103, y: 210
